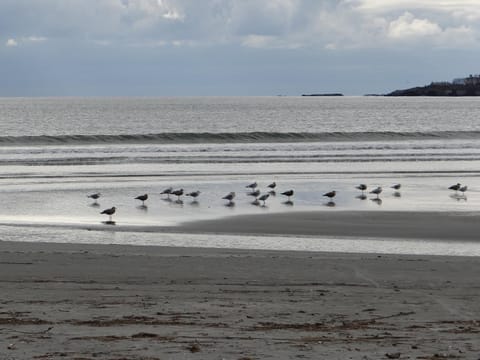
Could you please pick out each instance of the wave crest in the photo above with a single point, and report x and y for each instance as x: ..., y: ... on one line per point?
x: 241, y: 137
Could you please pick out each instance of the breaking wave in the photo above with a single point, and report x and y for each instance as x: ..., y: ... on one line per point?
x: 237, y: 137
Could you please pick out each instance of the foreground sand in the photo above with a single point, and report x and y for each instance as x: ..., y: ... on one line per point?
x: 120, y: 302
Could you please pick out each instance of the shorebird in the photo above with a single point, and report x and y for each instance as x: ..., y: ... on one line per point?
x: 94, y: 196
x: 252, y: 185
x: 273, y: 185
x: 109, y: 212
x: 288, y: 193
x: 396, y: 186
x: 193, y: 194
x: 167, y: 191
x: 463, y: 189
x: 455, y: 187
x: 376, y: 191
x: 361, y: 187
x: 263, y: 198
x: 230, y: 196
x: 255, y: 193
x: 330, y: 194
x: 177, y: 193
x: 142, y: 198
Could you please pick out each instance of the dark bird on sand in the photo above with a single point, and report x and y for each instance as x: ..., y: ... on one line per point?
x: 361, y: 187
x: 194, y: 194
x: 273, y: 185
x: 330, y: 194
x: 377, y: 191
x: 167, y: 191
x: 230, y: 196
x: 263, y: 198
x: 397, y: 186
x: 142, y: 198
x: 455, y: 187
x: 252, y: 185
x: 109, y: 212
x: 288, y: 193
x: 94, y: 196
x: 177, y: 193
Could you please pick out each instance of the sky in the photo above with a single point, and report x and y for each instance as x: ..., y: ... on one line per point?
x: 233, y: 47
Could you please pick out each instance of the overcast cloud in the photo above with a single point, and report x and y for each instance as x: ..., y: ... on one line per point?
x: 126, y: 44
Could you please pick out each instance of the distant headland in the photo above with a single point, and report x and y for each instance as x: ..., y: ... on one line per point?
x: 469, y: 86
x: 326, y: 94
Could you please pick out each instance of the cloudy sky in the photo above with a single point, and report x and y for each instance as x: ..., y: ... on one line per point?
x: 233, y: 47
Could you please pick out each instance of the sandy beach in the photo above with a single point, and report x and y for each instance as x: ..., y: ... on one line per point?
x: 124, y: 302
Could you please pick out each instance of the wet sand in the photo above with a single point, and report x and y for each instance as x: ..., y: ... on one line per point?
x: 386, y: 224
x: 123, y: 302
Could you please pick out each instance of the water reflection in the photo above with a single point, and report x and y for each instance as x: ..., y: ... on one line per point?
x: 330, y: 204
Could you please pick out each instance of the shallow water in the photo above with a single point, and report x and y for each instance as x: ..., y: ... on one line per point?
x: 54, y: 152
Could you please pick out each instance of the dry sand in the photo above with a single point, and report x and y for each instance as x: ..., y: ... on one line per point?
x: 122, y: 302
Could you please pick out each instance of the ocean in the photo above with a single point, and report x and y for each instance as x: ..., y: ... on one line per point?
x: 56, y: 151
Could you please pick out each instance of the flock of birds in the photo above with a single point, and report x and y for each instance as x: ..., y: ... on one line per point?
x: 255, y: 192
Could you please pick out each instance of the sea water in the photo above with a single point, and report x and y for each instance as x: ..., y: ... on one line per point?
x: 55, y: 151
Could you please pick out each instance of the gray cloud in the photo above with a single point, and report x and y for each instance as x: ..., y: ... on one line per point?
x: 275, y: 23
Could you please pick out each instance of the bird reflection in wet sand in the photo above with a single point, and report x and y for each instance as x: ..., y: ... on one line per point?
x: 331, y: 203
x: 377, y: 201
x: 397, y: 194
x: 361, y: 197
x: 458, y: 197
x: 288, y: 203
x: 178, y: 202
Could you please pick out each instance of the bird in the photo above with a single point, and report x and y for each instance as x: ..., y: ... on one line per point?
x: 167, y: 191
x: 273, y: 185
x: 109, y: 212
x: 94, y: 196
x: 396, y: 186
x: 177, y: 193
x: 194, y: 194
x: 255, y: 193
x: 142, y: 198
x: 252, y: 185
x: 288, y: 193
x: 361, y: 187
x: 263, y: 198
x: 376, y: 191
x: 330, y: 194
x: 463, y: 189
x: 455, y: 187
x: 230, y: 196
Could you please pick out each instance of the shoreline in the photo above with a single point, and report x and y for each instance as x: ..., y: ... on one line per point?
x: 85, y: 301
x: 421, y: 225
